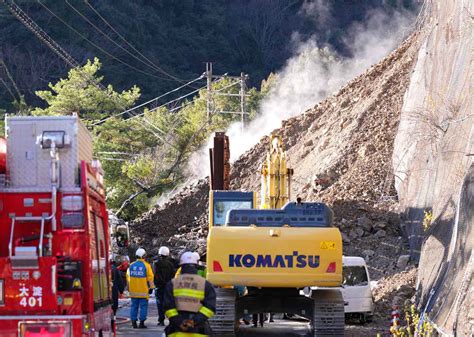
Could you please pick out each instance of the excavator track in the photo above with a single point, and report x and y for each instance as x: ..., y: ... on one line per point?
x: 223, y: 322
x: 328, y: 315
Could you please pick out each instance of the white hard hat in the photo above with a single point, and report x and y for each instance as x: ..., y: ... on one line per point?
x: 140, y: 252
x: 164, y: 251
x: 196, y: 254
x: 188, y: 258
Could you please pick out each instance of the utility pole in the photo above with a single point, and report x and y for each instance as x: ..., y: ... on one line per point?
x: 242, y: 100
x: 209, y: 90
x: 234, y: 81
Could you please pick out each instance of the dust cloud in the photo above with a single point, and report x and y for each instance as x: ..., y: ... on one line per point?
x: 312, y: 74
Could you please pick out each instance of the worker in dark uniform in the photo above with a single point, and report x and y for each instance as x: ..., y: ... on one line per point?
x: 164, y: 272
x: 189, y: 301
x: 118, y: 286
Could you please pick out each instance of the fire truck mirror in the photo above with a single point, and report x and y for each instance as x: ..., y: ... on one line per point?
x: 48, y: 137
x: 121, y: 236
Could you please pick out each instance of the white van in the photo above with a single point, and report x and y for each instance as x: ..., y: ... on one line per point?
x: 355, y: 289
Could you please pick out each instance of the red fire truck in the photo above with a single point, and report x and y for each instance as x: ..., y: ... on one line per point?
x: 54, y: 240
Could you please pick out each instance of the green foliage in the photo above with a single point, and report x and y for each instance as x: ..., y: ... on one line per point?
x: 21, y: 107
x: 80, y: 93
x: 144, y: 156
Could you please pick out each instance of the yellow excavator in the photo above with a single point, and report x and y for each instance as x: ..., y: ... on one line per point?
x: 274, y: 251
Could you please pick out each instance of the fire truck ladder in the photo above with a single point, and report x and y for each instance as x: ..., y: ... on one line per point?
x: 27, y: 256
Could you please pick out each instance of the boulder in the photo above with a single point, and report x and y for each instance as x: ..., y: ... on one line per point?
x: 324, y: 144
x: 353, y: 234
x: 359, y: 232
x: 365, y: 223
x: 323, y: 180
x: 345, y: 238
x: 380, y: 225
x: 305, y: 153
x: 380, y: 234
x: 366, y: 150
x: 308, y: 142
x: 402, y: 261
x: 368, y: 253
x: 313, y: 127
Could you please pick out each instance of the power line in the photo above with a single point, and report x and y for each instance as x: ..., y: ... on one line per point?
x: 172, y: 101
x: 8, y: 89
x: 108, y: 37
x: 10, y: 77
x: 185, y: 104
x: 49, y: 41
x: 40, y: 33
x: 130, y: 45
x: 97, y: 46
x: 148, y: 102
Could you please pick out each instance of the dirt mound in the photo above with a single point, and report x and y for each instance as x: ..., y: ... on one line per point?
x: 341, y: 151
x: 182, y: 217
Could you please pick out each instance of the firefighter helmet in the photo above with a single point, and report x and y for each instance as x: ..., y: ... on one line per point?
x: 140, y: 252
x: 188, y: 258
x: 164, y: 251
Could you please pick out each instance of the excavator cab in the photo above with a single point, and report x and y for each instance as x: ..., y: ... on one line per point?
x: 221, y: 202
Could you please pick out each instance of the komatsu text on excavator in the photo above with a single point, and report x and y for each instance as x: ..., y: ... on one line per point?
x: 273, y: 251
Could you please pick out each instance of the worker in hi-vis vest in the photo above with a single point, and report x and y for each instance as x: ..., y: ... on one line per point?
x: 189, y: 301
x: 140, y: 285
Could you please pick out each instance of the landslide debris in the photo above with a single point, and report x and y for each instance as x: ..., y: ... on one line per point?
x: 180, y: 222
x: 341, y: 152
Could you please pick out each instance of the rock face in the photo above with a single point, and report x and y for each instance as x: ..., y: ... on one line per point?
x: 432, y: 160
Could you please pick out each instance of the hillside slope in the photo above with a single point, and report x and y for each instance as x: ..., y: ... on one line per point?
x: 340, y: 151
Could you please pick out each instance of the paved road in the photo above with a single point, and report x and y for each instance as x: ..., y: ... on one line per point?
x: 125, y: 326
x: 278, y: 329
x: 281, y: 328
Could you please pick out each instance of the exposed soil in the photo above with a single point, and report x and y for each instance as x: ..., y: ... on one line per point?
x: 341, y: 152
